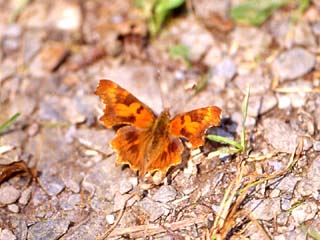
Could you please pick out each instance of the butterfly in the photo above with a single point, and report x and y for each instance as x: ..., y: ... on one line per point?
x: 145, y: 141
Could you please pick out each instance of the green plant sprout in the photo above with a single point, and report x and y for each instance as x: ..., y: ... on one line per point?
x: 180, y: 51
x: 256, y: 12
x: 236, y: 146
x: 161, y: 10
x: 9, y: 122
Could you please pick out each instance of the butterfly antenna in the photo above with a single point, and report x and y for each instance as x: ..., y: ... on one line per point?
x: 161, y: 87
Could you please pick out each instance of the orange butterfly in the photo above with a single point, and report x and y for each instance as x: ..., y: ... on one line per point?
x: 147, y: 142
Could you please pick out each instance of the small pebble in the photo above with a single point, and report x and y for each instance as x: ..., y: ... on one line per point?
x: 13, y: 208
x: 165, y: 194
x: 51, y: 229
x: 110, y: 219
x: 8, y: 194
x: 316, y: 146
x: 25, y: 196
x: 294, y: 63
x: 304, y: 212
x: 6, y: 234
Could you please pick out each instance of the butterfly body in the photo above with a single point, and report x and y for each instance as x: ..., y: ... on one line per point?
x: 149, y: 143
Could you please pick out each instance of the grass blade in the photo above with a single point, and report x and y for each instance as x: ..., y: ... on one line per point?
x: 8, y: 123
x: 221, y: 139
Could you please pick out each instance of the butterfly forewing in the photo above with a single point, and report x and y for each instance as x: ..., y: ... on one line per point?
x: 192, y: 125
x: 122, y: 107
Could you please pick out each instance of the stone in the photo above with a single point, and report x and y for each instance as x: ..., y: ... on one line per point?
x: 316, y: 146
x: 306, y: 211
x: 125, y: 187
x: 259, y: 84
x: 265, y: 209
x: 110, y: 219
x: 49, y: 230
x: 164, y: 194
x: 8, y: 194
x: 71, y: 202
x: 226, y: 68
x: 294, y: 63
x: 95, y: 139
x: 280, y: 135
x: 251, y: 41
x: 153, y: 209
x: 51, y: 184
x: 6, y: 234
x: 48, y: 59
x: 13, y: 208
x: 66, y: 16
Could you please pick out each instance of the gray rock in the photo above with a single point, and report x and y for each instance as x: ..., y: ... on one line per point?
x: 305, y: 187
x: 96, y: 139
x: 13, y: 208
x: 6, y: 234
x: 294, y: 63
x: 72, y: 178
x: 25, y: 196
x: 265, y: 209
x: 60, y: 109
x: 125, y: 187
x: 13, y: 31
x: 153, y: 209
x: 104, y: 177
x: 8, y: 194
x: 226, y: 68
x: 51, y: 184
x: 195, y: 37
x: 316, y: 146
x: 165, y: 193
x: 259, y: 105
x: 71, y: 202
x: 91, y: 228
x: 49, y: 230
x: 304, y: 212
x: 282, y: 218
x: 259, y: 84
x: 288, y: 183
x: 314, y: 171
x: 252, y: 41
x: 20, y: 228
x: 280, y: 135
x: 303, y: 35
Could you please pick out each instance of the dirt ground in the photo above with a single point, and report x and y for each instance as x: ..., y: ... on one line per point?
x: 57, y: 172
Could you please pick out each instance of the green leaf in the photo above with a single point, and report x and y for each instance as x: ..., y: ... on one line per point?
x: 255, y: 12
x: 8, y: 123
x: 180, y: 51
x: 162, y: 9
x: 221, y: 139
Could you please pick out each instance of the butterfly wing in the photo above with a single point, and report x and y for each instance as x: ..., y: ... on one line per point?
x: 122, y: 107
x: 192, y: 125
x: 167, y: 153
x: 132, y: 145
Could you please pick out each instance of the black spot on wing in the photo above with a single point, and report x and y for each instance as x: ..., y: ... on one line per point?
x: 182, y: 120
x: 133, y: 149
x: 164, y: 156
x: 129, y: 119
x: 132, y: 136
x: 139, y: 110
x: 129, y: 99
x: 173, y: 146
